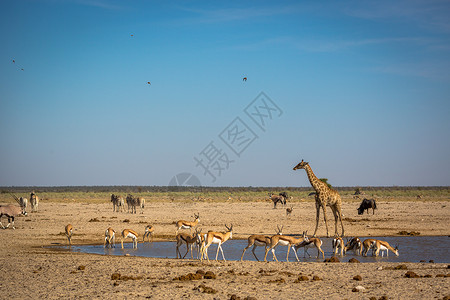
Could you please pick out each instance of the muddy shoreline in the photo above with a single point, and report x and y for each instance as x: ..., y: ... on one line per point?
x: 31, y: 270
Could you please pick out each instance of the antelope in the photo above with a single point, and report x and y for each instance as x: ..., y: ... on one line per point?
x: 355, y: 245
x: 256, y: 240
x: 69, y: 233
x: 34, y: 201
x: 218, y: 238
x: 283, y: 240
x: 11, y: 211
x: 289, y: 210
x: 181, y: 224
x: 308, y: 243
x: 367, y: 245
x: 128, y: 233
x: 110, y: 238
x: 338, y: 245
x: 149, y: 229
x: 118, y: 202
x: 384, y: 246
x: 278, y: 198
x: 184, y: 238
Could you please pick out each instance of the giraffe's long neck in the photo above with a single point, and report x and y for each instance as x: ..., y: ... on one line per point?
x: 315, y: 182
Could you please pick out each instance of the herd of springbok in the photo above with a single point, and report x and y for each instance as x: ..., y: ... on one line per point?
x: 324, y: 196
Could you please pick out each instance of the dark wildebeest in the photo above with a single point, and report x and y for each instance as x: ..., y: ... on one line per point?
x: 366, y: 204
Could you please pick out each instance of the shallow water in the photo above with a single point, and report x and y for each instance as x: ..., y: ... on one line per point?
x: 411, y: 249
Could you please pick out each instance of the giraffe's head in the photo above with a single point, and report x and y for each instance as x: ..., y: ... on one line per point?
x: 301, y: 165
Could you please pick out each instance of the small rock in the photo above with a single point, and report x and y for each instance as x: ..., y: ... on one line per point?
x: 440, y: 275
x: 353, y: 260
x: 200, y: 272
x: 431, y: 261
x: 400, y: 267
x: 205, y: 289
x: 302, y: 278
x: 115, y: 276
x: 316, y: 278
x: 81, y: 268
x: 332, y: 259
x: 380, y: 268
x: 384, y: 297
x: 209, y: 275
x: 358, y: 288
x: 411, y: 274
x: 234, y: 297
x: 357, y: 278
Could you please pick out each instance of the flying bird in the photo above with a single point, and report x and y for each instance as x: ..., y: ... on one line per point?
x: 13, y: 61
x: 244, y: 79
x: 132, y: 35
x: 148, y: 82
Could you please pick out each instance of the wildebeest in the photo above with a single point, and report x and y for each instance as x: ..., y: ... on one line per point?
x: 11, y: 211
x: 34, y: 201
x: 366, y: 204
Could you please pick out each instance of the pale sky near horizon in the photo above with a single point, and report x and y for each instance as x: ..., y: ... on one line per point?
x: 360, y: 89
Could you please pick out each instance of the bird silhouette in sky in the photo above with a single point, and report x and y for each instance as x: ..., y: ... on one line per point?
x: 148, y: 82
x: 14, y: 62
x: 132, y: 35
x: 244, y: 79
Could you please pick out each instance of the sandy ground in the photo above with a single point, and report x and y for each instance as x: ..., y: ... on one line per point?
x: 28, y: 269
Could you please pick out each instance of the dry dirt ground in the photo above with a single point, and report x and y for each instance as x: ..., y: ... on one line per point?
x: 31, y: 270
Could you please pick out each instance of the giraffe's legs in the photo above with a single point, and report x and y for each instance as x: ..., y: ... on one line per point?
x: 325, y: 218
x: 317, y: 216
x: 338, y: 211
x: 334, y: 210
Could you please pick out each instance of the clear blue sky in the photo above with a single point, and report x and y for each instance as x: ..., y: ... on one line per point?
x: 362, y: 87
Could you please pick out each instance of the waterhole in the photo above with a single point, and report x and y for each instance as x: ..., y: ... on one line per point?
x: 411, y: 249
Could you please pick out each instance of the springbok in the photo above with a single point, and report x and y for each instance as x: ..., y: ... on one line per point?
x: 128, y: 233
x: 11, y: 211
x: 184, y: 238
x: 338, y: 246
x: 355, y: 245
x: 289, y: 211
x: 69, y: 232
x: 182, y: 224
x: 218, y: 238
x: 34, y: 201
x: 284, y: 240
x: 308, y: 243
x: 377, y: 246
x: 256, y: 240
x: 110, y: 238
x: 149, y: 229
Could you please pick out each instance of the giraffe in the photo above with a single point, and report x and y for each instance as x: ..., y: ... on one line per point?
x: 324, y: 197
